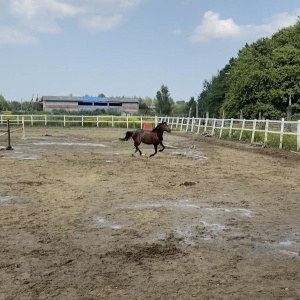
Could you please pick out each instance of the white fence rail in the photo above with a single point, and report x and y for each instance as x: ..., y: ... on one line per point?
x: 262, y: 131
x: 241, y: 129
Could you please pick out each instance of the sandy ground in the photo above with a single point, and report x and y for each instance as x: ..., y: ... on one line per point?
x: 83, y: 218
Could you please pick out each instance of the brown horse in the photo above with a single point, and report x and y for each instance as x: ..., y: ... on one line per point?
x: 153, y: 137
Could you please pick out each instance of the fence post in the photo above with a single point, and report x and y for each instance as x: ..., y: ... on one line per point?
x: 1, y: 119
x: 213, y: 127
x: 23, y: 128
x: 97, y: 121
x: 127, y: 121
x: 112, y: 121
x: 187, y: 124
x: 298, y: 135
x: 192, y: 127
x: 141, y: 122
x: 230, y: 129
x: 82, y: 120
x: 221, y: 130
x: 199, y: 125
x: 205, y: 125
x: 64, y: 120
x: 172, y: 122
x: 181, y: 125
x: 266, y: 132
x: 45, y: 120
x: 9, y: 147
x: 31, y: 118
x: 281, y: 133
x: 177, y: 121
x: 243, y: 126
x: 253, y: 131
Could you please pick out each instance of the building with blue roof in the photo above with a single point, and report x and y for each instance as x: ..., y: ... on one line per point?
x: 122, y: 105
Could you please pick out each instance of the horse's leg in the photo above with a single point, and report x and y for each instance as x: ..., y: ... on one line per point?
x: 155, y: 148
x: 136, y: 145
x: 163, y: 147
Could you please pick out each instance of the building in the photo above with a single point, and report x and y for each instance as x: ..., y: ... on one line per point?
x: 76, y: 104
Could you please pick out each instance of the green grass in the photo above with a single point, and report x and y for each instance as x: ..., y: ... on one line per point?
x: 289, y: 142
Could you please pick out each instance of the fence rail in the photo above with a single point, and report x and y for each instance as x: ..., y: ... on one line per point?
x: 278, y: 133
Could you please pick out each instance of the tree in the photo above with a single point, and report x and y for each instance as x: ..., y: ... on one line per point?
x: 214, y: 92
x: 265, y: 75
x: 180, y: 109
x: 3, y: 103
x: 192, y: 107
x: 164, y: 101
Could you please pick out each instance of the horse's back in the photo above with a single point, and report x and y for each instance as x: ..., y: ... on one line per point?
x: 143, y: 136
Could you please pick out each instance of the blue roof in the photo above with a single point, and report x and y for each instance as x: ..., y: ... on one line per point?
x: 93, y: 99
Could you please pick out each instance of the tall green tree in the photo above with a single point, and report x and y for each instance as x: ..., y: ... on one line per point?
x: 4, y: 105
x: 214, y: 92
x: 264, y: 76
x: 192, y: 107
x: 180, y: 109
x: 164, y: 101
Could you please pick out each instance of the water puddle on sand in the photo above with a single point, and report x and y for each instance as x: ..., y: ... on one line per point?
x: 214, y: 227
x: 19, y: 155
x: 245, y: 212
x: 4, y: 199
x: 190, y: 154
x: 100, y: 221
x: 166, y: 204
x: 286, y: 247
x: 67, y: 144
x: 286, y: 243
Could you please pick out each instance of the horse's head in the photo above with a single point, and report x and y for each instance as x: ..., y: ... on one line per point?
x: 165, y: 127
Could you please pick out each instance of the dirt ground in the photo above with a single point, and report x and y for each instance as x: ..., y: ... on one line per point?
x: 81, y: 217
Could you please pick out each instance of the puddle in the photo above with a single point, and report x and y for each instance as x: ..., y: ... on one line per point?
x: 190, y: 154
x: 214, y: 227
x: 290, y: 253
x: 20, y: 155
x: 4, y: 199
x: 105, y: 223
x: 244, y: 212
x: 286, y: 243
x: 67, y: 144
x: 185, y: 235
x: 166, y: 205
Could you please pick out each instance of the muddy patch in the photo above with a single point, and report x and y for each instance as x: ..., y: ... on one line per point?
x: 190, y: 154
x: 68, y: 144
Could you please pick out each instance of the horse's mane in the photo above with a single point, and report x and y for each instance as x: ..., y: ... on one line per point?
x: 157, y: 127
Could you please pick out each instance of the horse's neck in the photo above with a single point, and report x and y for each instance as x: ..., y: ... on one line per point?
x: 159, y: 132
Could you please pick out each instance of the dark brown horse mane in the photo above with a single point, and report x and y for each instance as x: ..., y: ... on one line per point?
x: 158, y: 126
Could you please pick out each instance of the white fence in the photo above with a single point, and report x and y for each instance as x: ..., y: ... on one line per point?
x: 262, y: 131
x: 241, y: 129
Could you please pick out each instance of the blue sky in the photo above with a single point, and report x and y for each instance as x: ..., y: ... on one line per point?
x: 127, y: 47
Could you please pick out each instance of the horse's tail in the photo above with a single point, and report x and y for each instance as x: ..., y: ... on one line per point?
x: 127, y: 136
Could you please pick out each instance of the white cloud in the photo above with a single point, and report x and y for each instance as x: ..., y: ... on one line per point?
x: 45, y: 15
x: 32, y: 8
x: 177, y: 31
x: 100, y: 22
x: 11, y: 36
x: 213, y: 27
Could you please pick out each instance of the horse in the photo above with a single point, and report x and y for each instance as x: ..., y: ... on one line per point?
x: 153, y: 137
